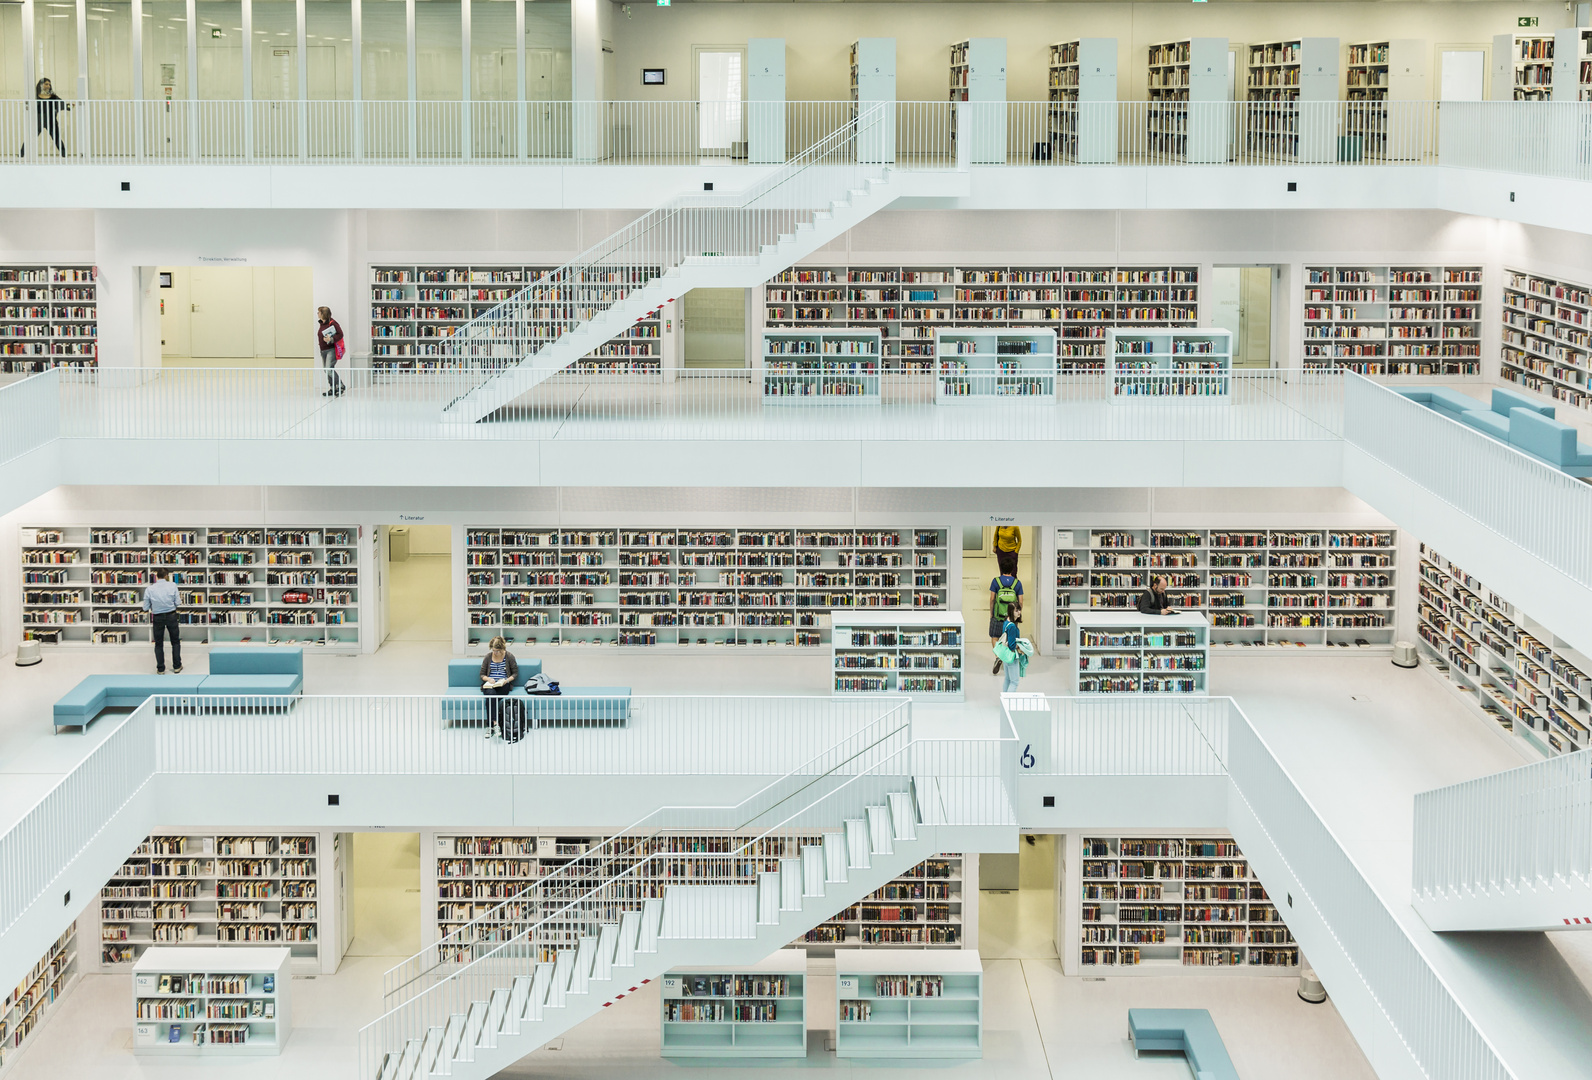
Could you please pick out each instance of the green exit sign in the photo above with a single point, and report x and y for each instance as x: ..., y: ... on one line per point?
x: 1526, y: 20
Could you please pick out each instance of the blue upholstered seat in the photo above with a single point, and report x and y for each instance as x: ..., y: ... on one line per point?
x: 1190, y: 1030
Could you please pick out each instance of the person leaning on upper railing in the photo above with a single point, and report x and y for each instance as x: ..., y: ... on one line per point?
x: 49, y: 108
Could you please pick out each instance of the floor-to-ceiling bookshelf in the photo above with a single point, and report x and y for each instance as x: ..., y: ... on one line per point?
x: 908, y: 304
x: 924, y: 907
x: 1515, y: 671
x: 1394, y: 320
x: 48, y: 317
x: 220, y: 889
x: 26, y: 1005
x: 698, y: 586
x: 1155, y: 905
x: 1083, y: 72
x: 1546, y: 344
x: 413, y: 308
x: 1181, y: 74
x: 1378, y: 76
x: 1259, y: 587
x: 83, y: 585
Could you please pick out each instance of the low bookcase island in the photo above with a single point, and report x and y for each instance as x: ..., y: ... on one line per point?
x: 211, y: 1002
x: 915, y: 653
x: 1124, y: 652
x: 758, y: 1010
x: 892, y: 1004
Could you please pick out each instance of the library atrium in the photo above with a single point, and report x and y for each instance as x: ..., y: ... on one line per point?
x: 1021, y: 540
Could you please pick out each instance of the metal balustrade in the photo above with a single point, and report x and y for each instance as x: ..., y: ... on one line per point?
x: 1542, y: 138
x: 30, y: 416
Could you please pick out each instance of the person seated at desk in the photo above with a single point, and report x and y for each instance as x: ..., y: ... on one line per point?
x: 1154, y: 601
x: 499, y: 670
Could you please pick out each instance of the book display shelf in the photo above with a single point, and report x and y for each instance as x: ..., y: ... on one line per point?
x: 978, y: 76
x: 925, y: 908
x: 1394, y: 320
x: 692, y: 587
x: 1547, y: 338
x: 1082, y: 117
x: 1174, y: 367
x: 48, y: 317
x: 1163, y: 905
x: 1001, y: 367
x: 1189, y: 113
x: 821, y: 367
x: 909, y: 1004
x: 83, y: 585
x: 181, y: 888
x: 1378, y: 72
x: 755, y: 1011
x: 1329, y: 588
x: 1281, y: 75
x: 1514, y: 670
x: 413, y: 308
x: 907, y: 304
x: 1130, y: 653
x: 1522, y: 67
x: 32, y: 1000
x: 212, y: 1002
x: 912, y: 653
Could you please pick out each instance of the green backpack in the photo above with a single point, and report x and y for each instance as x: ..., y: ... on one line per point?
x: 1005, y: 597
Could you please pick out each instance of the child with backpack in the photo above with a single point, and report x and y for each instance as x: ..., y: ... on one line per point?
x: 1012, y: 653
x: 1005, y: 602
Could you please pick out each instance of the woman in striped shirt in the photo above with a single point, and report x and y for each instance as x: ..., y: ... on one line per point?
x: 499, y: 672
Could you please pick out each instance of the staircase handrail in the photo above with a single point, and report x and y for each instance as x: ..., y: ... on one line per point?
x: 404, y: 974
x: 497, y: 969
x: 566, y: 285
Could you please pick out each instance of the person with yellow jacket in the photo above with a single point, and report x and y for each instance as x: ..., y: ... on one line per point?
x: 1008, y: 544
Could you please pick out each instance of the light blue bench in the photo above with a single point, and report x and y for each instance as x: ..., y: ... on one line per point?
x: 577, y: 706
x: 463, y: 701
x: 1495, y: 421
x: 244, y: 671
x: 1517, y: 420
x: 1191, y: 1031
x: 1550, y: 441
x: 1451, y: 403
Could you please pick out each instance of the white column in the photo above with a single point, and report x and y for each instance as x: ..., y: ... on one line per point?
x: 586, y: 72
x: 82, y: 51
x: 193, y: 79
x: 414, y: 77
x: 303, y: 84
x: 466, y: 114
x: 357, y: 91
x: 521, y: 111
x: 138, y: 77
x: 248, y: 55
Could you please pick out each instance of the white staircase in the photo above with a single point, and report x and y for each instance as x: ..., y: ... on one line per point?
x: 490, y: 1017
x: 699, y: 241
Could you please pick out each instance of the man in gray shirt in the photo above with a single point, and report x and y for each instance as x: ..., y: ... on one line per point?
x: 160, y: 600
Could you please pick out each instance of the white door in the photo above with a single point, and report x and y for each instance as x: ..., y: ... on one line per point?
x: 221, y: 311
x: 721, y: 90
x: 1463, y: 73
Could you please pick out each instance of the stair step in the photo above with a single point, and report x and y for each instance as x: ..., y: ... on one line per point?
x: 426, y: 1062
x: 835, y: 857
x: 651, y: 920
x: 541, y: 990
x: 558, y: 986
x: 474, y: 1025
x: 497, y: 1010
x: 768, y: 890
x: 585, y: 959
x: 857, y: 851
x: 603, y: 963
x: 903, y: 818
x: 790, y: 884
x: 880, y: 837
x: 452, y: 1044
x: 519, y: 994
x: 409, y: 1062
x: 625, y: 947
x: 813, y: 870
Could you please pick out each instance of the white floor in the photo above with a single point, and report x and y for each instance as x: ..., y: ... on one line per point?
x: 1360, y: 737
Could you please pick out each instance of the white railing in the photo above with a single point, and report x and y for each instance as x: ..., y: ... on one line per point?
x: 30, y: 414
x: 1526, y: 829
x: 1532, y: 505
x: 275, y: 403
x: 950, y: 782
x: 1538, y: 138
x: 1161, y: 736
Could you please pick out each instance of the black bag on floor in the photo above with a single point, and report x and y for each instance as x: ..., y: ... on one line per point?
x: 513, y: 720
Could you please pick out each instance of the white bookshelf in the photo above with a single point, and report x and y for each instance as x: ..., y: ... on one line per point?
x: 83, y: 585
x: 1283, y: 75
x: 226, y: 890
x: 978, y: 77
x: 1394, y: 320
x: 1189, y: 111
x: 934, y: 905
x: 692, y: 587
x: 765, y: 101
x: 873, y: 83
x: 822, y: 367
x: 989, y: 366
x: 911, y: 653
x: 1377, y: 73
x: 757, y: 1011
x: 1180, y: 367
x: 48, y: 317
x: 1546, y: 347
x: 1512, y: 669
x: 1312, y: 588
x: 1171, y: 905
x: 1130, y: 653
x: 33, y: 1000
x: 1522, y: 67
x: 415, y: 308
x: 1083, y: 100
x: 908, y: 1004
x: 908, y: 304
x: 214, y: 1003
